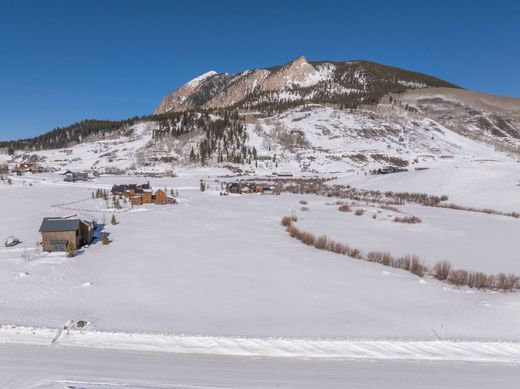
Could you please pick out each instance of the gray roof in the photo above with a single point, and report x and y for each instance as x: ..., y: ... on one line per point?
x: 56, y: 224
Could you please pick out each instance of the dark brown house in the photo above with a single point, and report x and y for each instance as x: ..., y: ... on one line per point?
x: 57, y: 232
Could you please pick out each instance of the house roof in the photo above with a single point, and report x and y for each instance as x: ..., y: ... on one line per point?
x: 118, y: 188
x: 57, y: 224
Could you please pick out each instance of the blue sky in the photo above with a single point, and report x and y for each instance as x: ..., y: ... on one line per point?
x: 63, y: 61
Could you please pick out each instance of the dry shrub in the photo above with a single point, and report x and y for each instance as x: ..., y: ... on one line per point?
x: 481, y: 280
x: 441, y: 270
x: 304, y: 209
x: 506, y: 282
x: 293, y: 231
x: 404, y: 263
x: 307, y: 238
x: 359, y: 212
x: 321, y: 242
x: 338, y: 248
x: 407, y: 219
x: 389, y: 208
x: 382, y: 258
x: 354, y: 253
x: 417, y: 267
x: 458, y: 277
x: 344, y: 208
x: 294, y: 218
x: 303, y: 202
x: 286, y: 221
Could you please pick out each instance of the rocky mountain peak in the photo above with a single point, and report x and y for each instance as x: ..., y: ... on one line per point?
x: 348, y: 84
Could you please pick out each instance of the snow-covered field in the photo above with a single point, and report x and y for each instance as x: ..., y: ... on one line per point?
x: 219, y: 277
x: 223, y: 266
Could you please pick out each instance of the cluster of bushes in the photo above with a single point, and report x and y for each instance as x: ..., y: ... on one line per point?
x: 407, y: 219
x: 344, y: 208
x: 442, y: 271
x: 411, y: 263
x: 321, y: 242
x: 359, y: 212
x: 480, y: 210
x: 386, y: 200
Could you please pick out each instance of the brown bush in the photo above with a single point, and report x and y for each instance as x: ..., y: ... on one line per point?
x: 354, y: 253
x: 321, y: 242
x: 304, y: 209
x: 441, y: 270
x: 407, y: 219
x: 293, y: 231
x: 506, y: 282
x: 359, y: 212
x: 338, y: 248
x: 404, y: 262
x: 481, y: 280
x: 382, y: 258
x: 417, y: 267
x: 389, y: 208
x: 458, y: 277
x: 303, y: 202
x: 294, y: 218
x: 344, y: 208
x: 307, y: 238
x: 286, y: 221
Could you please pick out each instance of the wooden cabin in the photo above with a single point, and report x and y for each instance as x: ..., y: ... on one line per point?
x: 136, y: 200
x: 57, y: 232
x: 160, y: 197
x: 146, y: 197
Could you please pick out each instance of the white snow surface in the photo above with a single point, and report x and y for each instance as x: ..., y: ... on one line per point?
x: 496, y: 352
x: 223, y: 266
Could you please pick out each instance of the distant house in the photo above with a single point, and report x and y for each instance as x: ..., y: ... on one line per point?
x: 57, y: 232
x: 146, y: 196
x: 75, y: 176
x: 129, y: 190
x: 139, y: 194
x: 136, y: 200
x: 160, y: 197
x: 25, y: 167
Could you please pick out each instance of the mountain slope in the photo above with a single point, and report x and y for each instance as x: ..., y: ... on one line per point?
x: 345, y: 83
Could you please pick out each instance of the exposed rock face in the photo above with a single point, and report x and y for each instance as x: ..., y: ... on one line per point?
x: 349, y: 83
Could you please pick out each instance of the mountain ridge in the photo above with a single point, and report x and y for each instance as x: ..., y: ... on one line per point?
x: 347, y: 83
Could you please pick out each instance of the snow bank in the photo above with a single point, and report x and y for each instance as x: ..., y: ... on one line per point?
x: 502, y: 352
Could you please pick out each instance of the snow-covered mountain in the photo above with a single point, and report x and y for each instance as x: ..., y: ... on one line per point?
x: 300, y: 117
x: 345, y: 83
x: 311, y: 138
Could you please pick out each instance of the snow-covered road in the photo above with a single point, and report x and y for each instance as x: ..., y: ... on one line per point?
x: 45, y: 367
